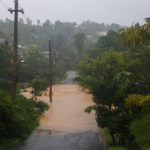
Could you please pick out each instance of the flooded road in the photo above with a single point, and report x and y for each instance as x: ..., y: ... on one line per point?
x: 65, y: 126
x: 66, y: 113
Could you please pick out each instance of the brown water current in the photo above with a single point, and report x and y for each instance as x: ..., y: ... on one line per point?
x: 66, y: 113
x: 65, y: 126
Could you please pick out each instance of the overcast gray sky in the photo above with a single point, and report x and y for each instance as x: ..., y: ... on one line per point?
x: 123, y: 12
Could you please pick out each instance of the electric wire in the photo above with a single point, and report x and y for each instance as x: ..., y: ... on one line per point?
x: 24, y: 14
x: 1, y: 32
x: 4, y: 5
x: 7, y: 8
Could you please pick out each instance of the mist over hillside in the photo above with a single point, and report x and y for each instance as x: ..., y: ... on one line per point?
x: 38, y: 34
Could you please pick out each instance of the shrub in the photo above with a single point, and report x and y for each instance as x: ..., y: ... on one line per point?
x: 40, y: 105
x: 38, y: 85
x: 20, y: 118
x: 141, y: 130
x: 138, y: 103
x: 6, y: 85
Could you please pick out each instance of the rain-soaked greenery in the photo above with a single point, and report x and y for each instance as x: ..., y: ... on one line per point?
x: 118, y: 78
x: 115, y: 68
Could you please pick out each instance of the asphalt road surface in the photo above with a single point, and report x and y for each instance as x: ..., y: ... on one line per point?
x: 73, y: 141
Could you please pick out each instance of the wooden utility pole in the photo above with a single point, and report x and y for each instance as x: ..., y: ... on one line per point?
x: 50, y: 71
x: 14, y: 80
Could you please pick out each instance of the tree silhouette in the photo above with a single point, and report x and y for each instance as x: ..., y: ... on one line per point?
x: 79, y: 42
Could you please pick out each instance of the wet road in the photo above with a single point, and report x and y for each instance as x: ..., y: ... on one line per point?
x: 65, y: 126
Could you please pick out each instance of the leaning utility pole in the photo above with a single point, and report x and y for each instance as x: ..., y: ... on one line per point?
x: 50, y: 71
x: 14, y: 80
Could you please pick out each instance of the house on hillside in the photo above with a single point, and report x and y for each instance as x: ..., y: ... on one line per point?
x: 46, y: 54
x: 2, y: 41
x: 22, y: 53
x: 102, y: 33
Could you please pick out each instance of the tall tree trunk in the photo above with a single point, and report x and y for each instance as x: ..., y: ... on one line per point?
x: 113, y: 138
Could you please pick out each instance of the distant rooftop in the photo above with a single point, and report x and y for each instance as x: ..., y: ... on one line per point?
x: 102, y: 33
x: 2, y: 41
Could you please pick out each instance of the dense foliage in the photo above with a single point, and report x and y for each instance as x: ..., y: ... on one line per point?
x: 5, y: 61
x: 141, y: 130
x: 20, y: 118
x: 17, y: 119
x: 38, y: 85
x: 118, y: 78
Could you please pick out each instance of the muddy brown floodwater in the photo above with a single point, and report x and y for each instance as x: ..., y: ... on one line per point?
x: 65, y: 126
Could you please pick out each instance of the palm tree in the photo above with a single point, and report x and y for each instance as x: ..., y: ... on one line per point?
x: 79, y: 42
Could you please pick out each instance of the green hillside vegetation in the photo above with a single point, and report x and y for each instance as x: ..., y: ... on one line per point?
x: 59, y: 32
x: 33, y: 45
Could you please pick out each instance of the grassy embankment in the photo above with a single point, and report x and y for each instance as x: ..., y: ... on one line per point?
x: 140, y: 128
x: 109, y: 142
x: 7, y: 143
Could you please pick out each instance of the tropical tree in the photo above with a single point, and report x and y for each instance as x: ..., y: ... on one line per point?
x: 79, y: 42
x: 6, y: 58
x: 136, y: 35
x: 109, y: 41
x: 35, y: 64
x: 38, y: 85
x: 118, y: 81
x: 108, y: 82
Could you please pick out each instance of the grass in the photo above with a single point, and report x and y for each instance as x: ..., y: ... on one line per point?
x: 141, y: 129
x: 109, y: 142
x: 8, y: 143
x: 116, y: 148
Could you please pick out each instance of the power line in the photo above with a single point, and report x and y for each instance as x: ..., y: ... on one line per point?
x: 5, y: 6
x: 1, y: 32
x: 24, y: 14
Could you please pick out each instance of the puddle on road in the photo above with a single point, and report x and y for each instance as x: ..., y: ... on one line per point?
x: 66, y: 113
x: 46, y: 132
